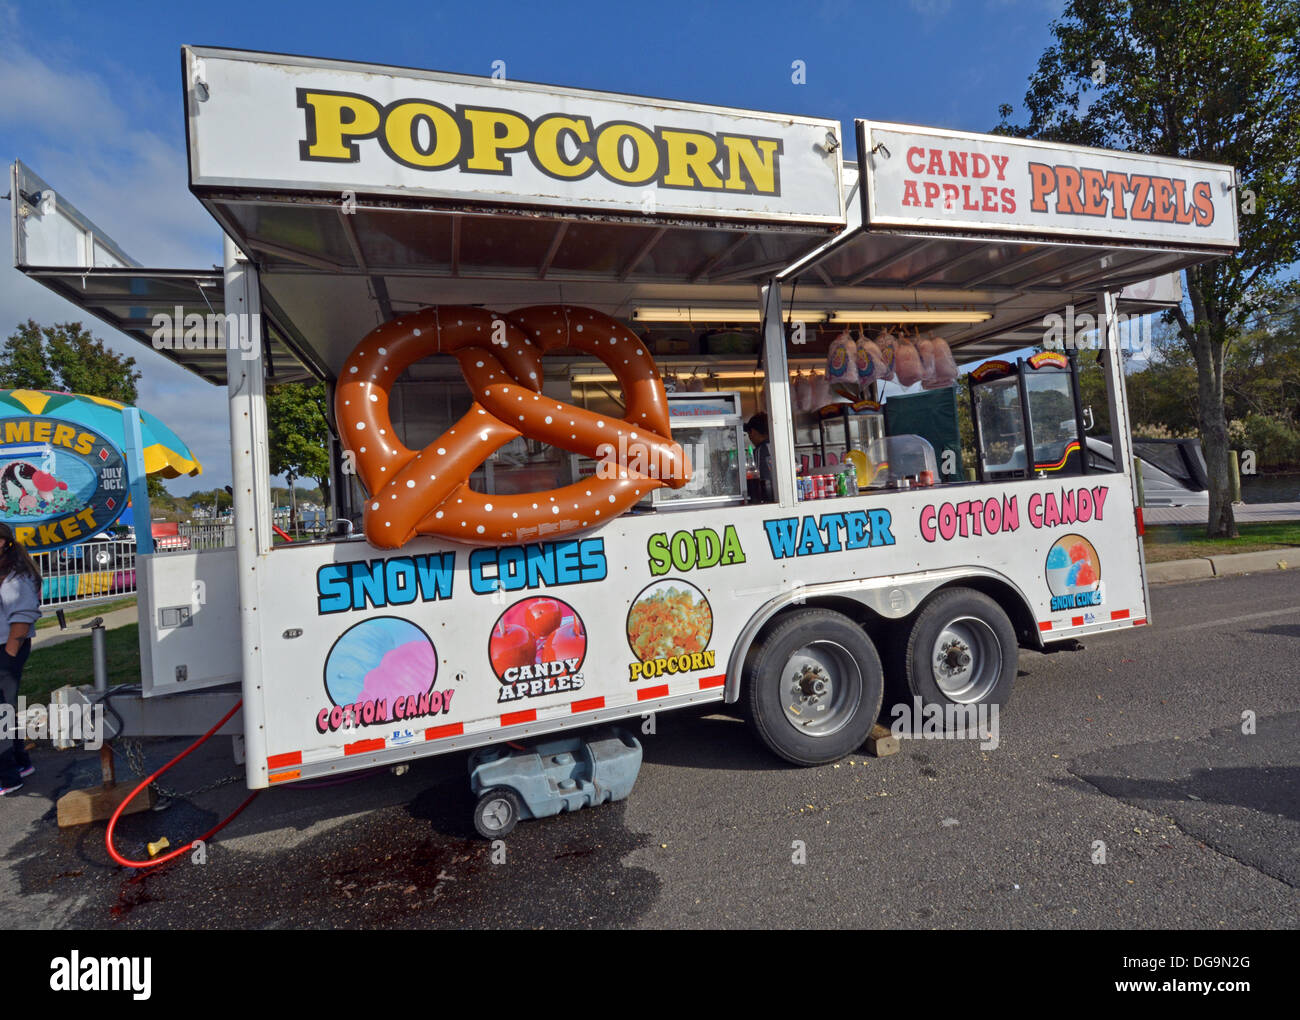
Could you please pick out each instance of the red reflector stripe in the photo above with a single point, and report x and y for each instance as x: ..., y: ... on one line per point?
x: 450, y: 730
x: 1139, y: 623
x: 1119, y: 614
x: 1076, y: 621
x: 652, y: 692
x: 590, y: 705
x: 514, y: 718
x: 281, y: 777
x: 362, y: 746
x: 278, y: 761
x: 712, y: 681
x: 1045, y: 625
x: 1142, y: 528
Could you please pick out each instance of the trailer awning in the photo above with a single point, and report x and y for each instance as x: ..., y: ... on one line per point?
x: 178, y: 312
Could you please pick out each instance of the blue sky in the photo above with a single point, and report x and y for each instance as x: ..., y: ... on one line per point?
x: 92, y: 100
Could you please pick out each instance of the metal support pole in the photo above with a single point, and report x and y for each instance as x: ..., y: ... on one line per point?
x: 779, y: 416
x: 251, y: 481
x: 99, y: 654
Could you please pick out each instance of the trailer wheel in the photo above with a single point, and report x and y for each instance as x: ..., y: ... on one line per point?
x: 814, y: 687
x: 960, y: 650
x: 497, y: 812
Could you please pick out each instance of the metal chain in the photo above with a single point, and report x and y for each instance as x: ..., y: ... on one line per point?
x: 133, y: 751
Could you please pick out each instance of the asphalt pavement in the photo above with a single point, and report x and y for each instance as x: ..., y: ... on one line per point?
x: 1151, y: 780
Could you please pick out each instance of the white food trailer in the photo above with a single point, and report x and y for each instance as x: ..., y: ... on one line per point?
x: 374, y: 215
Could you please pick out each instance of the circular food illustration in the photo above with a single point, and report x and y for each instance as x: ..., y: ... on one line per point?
x: 1073, y: 566
x: 380, y: 659
x: 670, y: 617
x: 535, y: 631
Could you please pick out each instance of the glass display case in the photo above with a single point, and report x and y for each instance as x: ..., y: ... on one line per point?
x: 710, y: 429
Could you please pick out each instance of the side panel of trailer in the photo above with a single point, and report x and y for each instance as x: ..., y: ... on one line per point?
x: 373, y: 656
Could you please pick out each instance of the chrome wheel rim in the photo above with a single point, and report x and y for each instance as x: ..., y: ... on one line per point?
x: 967, y: 660
x: 821, y: 687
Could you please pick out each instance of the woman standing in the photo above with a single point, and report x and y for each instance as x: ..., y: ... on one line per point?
x: 20, y: 607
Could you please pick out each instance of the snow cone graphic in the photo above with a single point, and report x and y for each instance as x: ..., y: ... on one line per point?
x: 382, y: 659
x: 1073, y: 571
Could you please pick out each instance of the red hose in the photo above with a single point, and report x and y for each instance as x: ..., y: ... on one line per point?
x: 112, y: 822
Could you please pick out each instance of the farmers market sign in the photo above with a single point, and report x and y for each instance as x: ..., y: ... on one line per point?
x: 60, y: 482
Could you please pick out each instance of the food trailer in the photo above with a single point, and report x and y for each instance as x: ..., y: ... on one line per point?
x: 541, y: 313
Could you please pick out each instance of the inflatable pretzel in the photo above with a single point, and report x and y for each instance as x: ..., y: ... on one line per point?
x: 427, y: 492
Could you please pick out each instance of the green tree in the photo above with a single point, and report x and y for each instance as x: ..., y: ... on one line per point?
x: 66, y: 356
x: 298, y: 433
x: 1207, y: 81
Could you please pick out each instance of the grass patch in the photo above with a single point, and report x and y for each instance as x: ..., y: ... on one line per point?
x: 84, y: 613
x: 70, y: 662
x: 1187, y: 541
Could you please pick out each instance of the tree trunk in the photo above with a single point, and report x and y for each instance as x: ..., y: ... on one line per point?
x: 1207, y: 348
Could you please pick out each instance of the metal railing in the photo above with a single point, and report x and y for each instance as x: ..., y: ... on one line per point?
x: 104, y: 570
x: 86, y: 573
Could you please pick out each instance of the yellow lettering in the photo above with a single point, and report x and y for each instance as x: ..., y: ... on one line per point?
x: 49, y: 533
x: 635, y: 670
x: 70, y: 529
x: 757, y: 156
x: 547, y: 146
x: 609, y: 144
x: 334, y: 121
x: 87, y: 517
x: 85, y: 443
x: 491, y: 132
x: 402, y: 145
x: 26, y: 536
x: 709, y: 658
x: 690, y: 153
x: 41, y: 431
x: 63, y: 435
x: 18, y: 432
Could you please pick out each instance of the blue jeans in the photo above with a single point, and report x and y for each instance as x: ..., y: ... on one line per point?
x: 13, y: 755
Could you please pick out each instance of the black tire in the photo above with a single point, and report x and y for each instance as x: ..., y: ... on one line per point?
x: 811, y: 662
x: 975, y: 664
x: 497, y: 812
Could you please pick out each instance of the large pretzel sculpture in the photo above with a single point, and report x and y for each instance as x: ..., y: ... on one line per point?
x: 427, y: 492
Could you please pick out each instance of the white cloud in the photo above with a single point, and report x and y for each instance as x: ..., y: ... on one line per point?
x: 107, y: 159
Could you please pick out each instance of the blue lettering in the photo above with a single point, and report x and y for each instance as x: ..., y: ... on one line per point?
x: 880, y: 522
x: 479, y: 582
x: 541, y: 565
x: 592, y: 552
x: 781, y: 534
x: 810, y: 538
x: 435, y: 575
x: 859, y: 531
x: 567, y: 568
x: 399, y: 580
x: 332, y: 588
x: 368, y: 582
x: 831, y: 524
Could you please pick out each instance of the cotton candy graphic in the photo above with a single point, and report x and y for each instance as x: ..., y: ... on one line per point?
x: 382, y: 658
x: 821, y: 392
